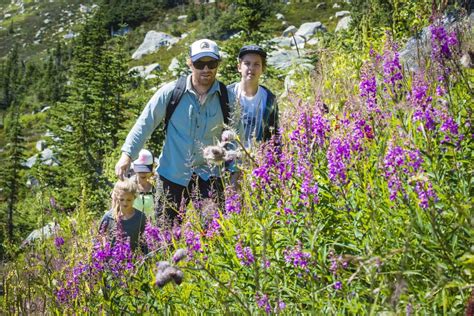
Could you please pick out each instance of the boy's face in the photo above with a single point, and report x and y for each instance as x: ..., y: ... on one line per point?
x: 125, y: 200
x: 251, y: 67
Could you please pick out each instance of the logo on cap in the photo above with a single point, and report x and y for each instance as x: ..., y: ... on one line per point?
x: 204, y: 45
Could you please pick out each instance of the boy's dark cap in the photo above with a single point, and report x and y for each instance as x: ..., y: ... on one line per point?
x: 252, y: 49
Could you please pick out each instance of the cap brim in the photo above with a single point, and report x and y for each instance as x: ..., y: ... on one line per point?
x: 142, y: 168
x: 260, y: 53
x: 205, y: 54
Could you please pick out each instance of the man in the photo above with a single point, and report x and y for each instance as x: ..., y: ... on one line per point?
x: 257, y: 103
x: 197, y: 122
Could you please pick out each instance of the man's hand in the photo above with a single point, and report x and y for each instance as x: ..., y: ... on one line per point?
x: 122, y: 165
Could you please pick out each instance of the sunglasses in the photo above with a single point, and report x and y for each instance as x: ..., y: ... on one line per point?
x: 211, y: 64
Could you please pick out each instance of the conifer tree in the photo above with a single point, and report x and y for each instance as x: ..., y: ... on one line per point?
x: 13, y: 154
x: 54, y: 79
x: 251, y: 15
x: 10, y: 78
x: 87, y: 123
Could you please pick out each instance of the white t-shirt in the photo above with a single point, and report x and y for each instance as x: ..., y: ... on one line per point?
x: 252, y: 112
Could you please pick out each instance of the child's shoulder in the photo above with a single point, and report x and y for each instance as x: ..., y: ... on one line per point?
x: 108, y: 215
x: 137, y: 214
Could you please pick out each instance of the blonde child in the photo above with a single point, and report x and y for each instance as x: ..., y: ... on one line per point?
x: 143, y: 168
x: 123, y: 218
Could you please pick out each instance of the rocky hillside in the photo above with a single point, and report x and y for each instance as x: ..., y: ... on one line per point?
x: 37, y: 25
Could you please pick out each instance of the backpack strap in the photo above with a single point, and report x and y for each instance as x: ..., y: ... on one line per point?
x: 224, y: 98
x: 178, y: 93
x: 174, y: 101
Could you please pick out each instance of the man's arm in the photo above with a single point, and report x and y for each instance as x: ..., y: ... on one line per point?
x: 151, y: 116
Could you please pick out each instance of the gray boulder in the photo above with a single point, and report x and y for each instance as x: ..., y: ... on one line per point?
x: 288, y: 42
x: 40, y: 145
x: 279, y: 16
x: 145, y: 71
x: 152, y: 42
x: 289, y: 31
x: 39, y: 234
x: 343, y: 24
x: 30, y: 162
x: 284, y: 59
x: 340, y: 14
x: 48, y: 158
x: 174, y: 66
x: 308, y: 29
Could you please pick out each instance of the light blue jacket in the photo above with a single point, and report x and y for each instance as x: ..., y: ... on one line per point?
x: 192, y: 127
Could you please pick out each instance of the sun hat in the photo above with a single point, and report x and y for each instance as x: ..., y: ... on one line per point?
x: 144, y: 162
x: 252, y: 49
x: 204, y: 48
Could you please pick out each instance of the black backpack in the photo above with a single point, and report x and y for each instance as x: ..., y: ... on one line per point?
x: 178, y: 93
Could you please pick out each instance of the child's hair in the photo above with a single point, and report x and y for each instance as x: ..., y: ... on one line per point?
x: 126, y: 185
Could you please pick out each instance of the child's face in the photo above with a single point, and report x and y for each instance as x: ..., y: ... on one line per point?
x: 250, y: 67
x: 143, y: 175
x: 125, y: 200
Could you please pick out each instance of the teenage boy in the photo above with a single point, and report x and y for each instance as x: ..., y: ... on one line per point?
x: 197, y: 122
x: 257, y: 104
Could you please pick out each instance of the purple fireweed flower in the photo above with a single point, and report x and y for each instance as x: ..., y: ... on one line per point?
x: 392, y: 70
x: 263, y: 302
x: 214, y: 226
x: 394, y: 161
x: 100, y: 254
x: 425, y: 193
x: 440, y: 91
x: 153, y: 237
x: 176, y: 230
x: 62, y: 295
x: 193, y: 240
x: 449, y: 126
x: 115, y: 258
x: 345, y: 145
x: 338, y: 155
x: 232, y: 202
x: 312, y: 128
x: 442, y: 43
x: 402, y: 164
x: 368, y: 89
x: 244, y: 254
x: 421, y: 102
x: 280, y: 306
x: 58, y: 241
x: 338, y: 285
x: 296, y: 257
x: 121, y: 257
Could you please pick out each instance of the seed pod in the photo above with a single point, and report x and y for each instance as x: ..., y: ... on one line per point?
x: 179, y: 255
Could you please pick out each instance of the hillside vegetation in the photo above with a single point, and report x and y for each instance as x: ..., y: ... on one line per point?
x: 364, y: 207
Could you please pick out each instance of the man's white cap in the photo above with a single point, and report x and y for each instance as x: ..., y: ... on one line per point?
x: 204, y: 48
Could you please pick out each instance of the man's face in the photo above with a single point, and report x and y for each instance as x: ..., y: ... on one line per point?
x: 250, y: 67
x: 204, y: 70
